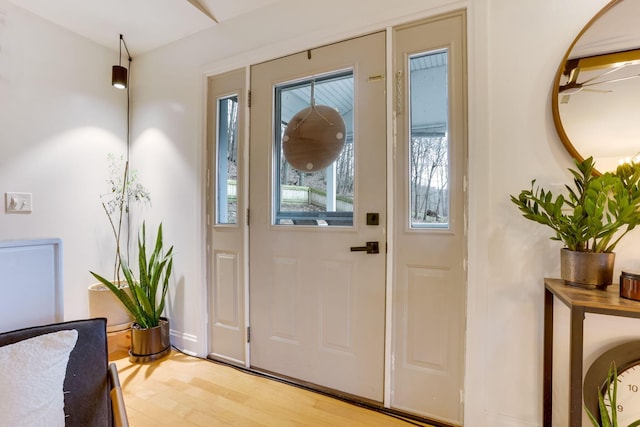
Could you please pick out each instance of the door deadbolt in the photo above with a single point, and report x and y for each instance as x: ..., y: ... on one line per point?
x: 373, y: 218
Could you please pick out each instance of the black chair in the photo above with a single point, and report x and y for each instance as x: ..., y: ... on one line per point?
x: 93, y: 396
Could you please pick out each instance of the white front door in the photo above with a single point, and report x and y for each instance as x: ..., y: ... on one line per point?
x: 226, y: 218
x: 429, y: 279
x: 317, y: 296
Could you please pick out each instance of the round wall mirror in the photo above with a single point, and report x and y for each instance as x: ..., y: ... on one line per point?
x: 596, y: 92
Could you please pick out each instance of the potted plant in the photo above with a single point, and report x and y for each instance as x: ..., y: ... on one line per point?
x: 146, y: 302
x: 608, y: 407
x: 596, y: 213
x: 124, y: 189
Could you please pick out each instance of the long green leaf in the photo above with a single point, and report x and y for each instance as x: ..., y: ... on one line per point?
x: 597, y: 212
x: 145, y: 305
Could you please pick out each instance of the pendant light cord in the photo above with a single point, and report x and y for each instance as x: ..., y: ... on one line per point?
x: 128, y: 150
x: 128, y: 110
x: 122, y: 42
x: 128, y: 136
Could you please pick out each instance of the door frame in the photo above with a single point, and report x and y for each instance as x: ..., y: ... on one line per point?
x: 283, y: 50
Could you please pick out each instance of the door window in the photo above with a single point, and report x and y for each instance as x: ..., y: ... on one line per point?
x: 227, y: 159
x: 324, y: 197
x: 429, y: 142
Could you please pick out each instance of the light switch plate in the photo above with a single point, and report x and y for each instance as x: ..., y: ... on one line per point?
x: 18, y: 202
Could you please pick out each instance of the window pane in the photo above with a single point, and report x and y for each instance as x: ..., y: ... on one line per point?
x: 324, y: 197
x: 429, y: 142
x: 227, y: 159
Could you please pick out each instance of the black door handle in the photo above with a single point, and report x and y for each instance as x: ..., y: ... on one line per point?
x: 371, y: 248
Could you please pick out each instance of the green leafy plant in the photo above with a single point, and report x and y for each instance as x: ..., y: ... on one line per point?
x: 149, y: 290
x: 608, y: 412
x: 598, y: 211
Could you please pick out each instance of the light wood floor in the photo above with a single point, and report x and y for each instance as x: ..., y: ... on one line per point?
x: 181, y: 390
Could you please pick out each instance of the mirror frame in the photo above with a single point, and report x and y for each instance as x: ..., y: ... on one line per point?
x: 555, y: 104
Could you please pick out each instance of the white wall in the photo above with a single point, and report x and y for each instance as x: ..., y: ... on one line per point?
x: 510, y: 255
x: 55, y: 133
x: 59, y: 117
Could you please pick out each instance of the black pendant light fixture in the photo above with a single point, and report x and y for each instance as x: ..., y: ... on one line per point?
x: 119, y: 73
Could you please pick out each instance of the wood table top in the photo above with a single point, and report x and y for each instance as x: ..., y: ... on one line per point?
x: 594, y: 300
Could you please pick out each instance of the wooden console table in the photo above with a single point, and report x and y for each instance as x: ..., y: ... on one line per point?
x: 579, y: 301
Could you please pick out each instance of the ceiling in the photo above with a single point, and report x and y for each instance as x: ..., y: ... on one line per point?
x: 145, y: 24
x: 614, y: 31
